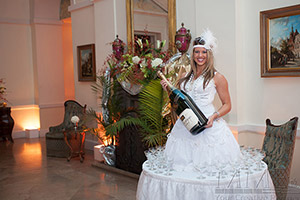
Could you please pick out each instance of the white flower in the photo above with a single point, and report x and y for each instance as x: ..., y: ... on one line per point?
x: 156, y: 62
x: 143, y: 63
x: 158, y: 42
x: 163, y: 43
x: 140, y: 43
x: 75, y: 119
x: 136, y: 60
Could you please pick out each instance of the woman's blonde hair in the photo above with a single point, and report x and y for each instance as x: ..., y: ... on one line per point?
x: 208, y: 72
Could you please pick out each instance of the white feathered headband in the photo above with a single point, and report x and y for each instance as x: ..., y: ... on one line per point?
x: 206, y: 40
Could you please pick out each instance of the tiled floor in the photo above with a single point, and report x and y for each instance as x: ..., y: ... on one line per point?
x: 26, y: 173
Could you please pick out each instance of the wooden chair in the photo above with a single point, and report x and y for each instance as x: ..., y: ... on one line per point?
x: 278, y: 145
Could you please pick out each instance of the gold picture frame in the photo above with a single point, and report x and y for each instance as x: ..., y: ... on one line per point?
x: 171, y: 20
x: 280, y: 42
x: 86, y: 62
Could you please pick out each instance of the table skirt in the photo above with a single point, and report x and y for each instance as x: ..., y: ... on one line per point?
x: 185, y: 186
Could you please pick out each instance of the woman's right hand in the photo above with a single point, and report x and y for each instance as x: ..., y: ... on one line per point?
x: 164, y: 85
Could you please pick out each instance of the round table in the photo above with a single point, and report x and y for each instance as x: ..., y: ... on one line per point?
x: 254, y: 183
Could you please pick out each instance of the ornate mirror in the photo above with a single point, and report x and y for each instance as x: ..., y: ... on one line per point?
x: 156, y: 18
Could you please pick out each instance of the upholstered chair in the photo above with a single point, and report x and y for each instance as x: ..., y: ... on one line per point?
x: 55, y: 143
x: 278, y: 145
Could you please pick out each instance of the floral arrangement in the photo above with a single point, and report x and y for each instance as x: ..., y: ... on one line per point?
x: 75, y: 119
x: 2, y: 91
x: 140, y: 66
x: 138, y: 69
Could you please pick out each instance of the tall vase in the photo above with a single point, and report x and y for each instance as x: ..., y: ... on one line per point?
x: 182, y: 39
x: 6, y: 123
x: 118, y: 48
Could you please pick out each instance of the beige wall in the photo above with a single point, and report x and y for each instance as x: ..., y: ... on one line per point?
x: 261, y: 98
x: 98, y: 23
x: 32, y: 62
x: 16, y: 62
x: 83, y: 32
x: 67, y: 45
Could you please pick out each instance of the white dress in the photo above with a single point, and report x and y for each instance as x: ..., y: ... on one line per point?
x: 212, y: 146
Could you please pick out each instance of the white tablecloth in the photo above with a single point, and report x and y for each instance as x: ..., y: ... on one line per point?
x: 186, y: 186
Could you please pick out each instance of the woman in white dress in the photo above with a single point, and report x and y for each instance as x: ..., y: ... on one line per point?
x: 216, y: 144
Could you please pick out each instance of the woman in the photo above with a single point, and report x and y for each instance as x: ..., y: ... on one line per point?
x: 216, y: 144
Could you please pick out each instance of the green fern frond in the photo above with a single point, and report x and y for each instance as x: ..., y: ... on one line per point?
x: 154, y: 139
x: 92, y: 115
x: 113, y: 129
x: 151, y: 103
x: 98, y: 85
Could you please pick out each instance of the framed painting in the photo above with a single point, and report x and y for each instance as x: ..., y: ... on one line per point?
x: 280, y: 42
x: 86, y: 63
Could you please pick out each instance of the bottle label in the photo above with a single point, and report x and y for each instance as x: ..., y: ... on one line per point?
x: 188, y: 118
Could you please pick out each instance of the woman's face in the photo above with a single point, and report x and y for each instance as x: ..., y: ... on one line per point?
x: 200, y: 56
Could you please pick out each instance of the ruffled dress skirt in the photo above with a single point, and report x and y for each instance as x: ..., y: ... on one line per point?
x: 211, y: 147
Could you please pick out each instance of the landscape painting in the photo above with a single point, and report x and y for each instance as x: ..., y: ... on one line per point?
x: 285, y: 42
x: 280, y: 41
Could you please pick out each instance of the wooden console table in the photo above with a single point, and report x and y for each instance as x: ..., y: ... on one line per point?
x: 75, y: 141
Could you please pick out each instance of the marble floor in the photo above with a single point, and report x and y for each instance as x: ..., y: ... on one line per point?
x: 26, y: 173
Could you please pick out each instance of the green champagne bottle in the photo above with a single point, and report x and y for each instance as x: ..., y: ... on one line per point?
x: 186, y: 109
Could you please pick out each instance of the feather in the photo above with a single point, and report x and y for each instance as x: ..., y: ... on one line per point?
x: 210, y: 40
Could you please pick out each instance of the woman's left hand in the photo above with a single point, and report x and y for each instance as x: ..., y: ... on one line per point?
x: 210, y: 122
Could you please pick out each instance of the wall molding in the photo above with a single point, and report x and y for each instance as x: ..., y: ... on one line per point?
x: 35, y: 106
x: 47, y: 21
x: 24, y: 107
x: 258, y: 129
x: 150, y: 13
x: 18, y: 134
x: 15, y: 21
x: 51, y: 105
x: 29, y: 22
x: 294, y: 186
x: 248, y: 128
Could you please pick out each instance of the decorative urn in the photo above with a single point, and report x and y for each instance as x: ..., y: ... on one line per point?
x: 183, y: 39
x: 118, y: 47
